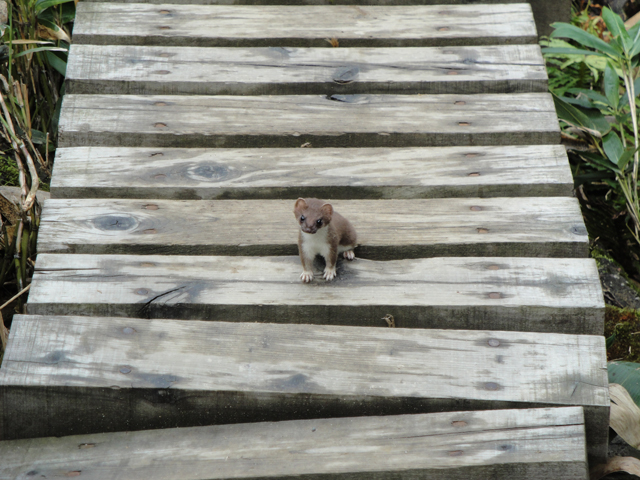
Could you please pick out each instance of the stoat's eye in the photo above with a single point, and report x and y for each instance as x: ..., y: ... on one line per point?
x: 319, y: 222
x: 302, y: 217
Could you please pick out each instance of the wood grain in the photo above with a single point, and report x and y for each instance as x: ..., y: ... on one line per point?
x: 387, y: 229
x: 197, y: 174
x: 142, y: 374
x: 294, y: 120
x: 527, y: 443
x: 145, y: 70
x: 517, y: 294
x: 302, y: 26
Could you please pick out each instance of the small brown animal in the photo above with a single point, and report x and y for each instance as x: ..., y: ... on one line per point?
x: 325, y: 232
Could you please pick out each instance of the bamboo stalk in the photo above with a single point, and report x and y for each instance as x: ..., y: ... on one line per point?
x: 25, y: 289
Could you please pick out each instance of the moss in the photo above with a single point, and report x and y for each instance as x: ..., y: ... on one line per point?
x: 622, y: 329
x: 8, y: 172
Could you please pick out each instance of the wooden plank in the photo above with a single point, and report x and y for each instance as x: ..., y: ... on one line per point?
x: 302, y: 26
x: 297, y: 120
x: 145, y: 70
x: 528, y: 443
x: 387, y: 229
x: 207, y: 174
x: 516, y: 294
x: 142, y: 374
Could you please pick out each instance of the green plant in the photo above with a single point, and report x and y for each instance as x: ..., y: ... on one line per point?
x: 613, y: 145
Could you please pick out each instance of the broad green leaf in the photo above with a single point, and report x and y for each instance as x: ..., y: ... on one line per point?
x: 625, y: 158
x: 591, y: 120
x: 634, y: 33
x: 591, y: 95
x: 571, y: 51
x: 596, y: 159
x: 626, y: 374
x: 44, y: 4
x: 38, y: 137
x: 613, y: 147
x: 586, y: 39
x: 611, y: 86
x: 580, y: 100
x: 618, y: 30
x: 57, y: 63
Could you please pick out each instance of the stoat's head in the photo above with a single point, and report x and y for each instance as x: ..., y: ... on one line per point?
x: 312, y: 214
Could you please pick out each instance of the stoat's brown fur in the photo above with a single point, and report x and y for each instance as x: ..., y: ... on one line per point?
x: 323, y: 231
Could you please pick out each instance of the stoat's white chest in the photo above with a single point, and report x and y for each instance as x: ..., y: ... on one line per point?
x: 315, y: 243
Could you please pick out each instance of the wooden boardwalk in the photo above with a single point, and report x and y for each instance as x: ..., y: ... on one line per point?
x: 166, y: 291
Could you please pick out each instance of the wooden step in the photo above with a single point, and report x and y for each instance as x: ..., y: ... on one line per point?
x: 387, y: 229
x: 276, y: 71
x: 307, y: 120
x: 220, y: 173
x: 528, y: 443
x: 516, y: 294
x: 89, y: 375
x: 302, y: 26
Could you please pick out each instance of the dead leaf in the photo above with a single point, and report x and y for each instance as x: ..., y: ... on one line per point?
x: 616, y: 464
x: 624, y: 416
x: 390, y: 320
x: 333, y: 41
x: 50, y: 34
x: 4, y: 334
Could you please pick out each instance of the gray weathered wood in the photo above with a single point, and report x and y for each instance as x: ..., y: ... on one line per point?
x: 220, y: 173
x: 528, y: 443
x: 295, y: 120
x: 87, y: 375
x: 517, y: 294
x: 387, y: 229
x: 276, y: 71
x: 302, y: 26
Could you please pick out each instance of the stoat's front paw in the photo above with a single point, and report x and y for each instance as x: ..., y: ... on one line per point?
x: 329, y: 273
x: 349, y: 255
x: 306, y: 276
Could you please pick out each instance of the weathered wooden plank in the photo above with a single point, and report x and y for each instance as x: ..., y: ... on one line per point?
x: 387, y: 229
x: 528, y: 443
x: 275, y: 71
x: 142, y: 374
x: 516, y: 294
x: 297, y: 120
x: 302, y: 26
x: 207, y: 174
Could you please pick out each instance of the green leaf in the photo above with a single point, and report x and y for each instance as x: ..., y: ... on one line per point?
x: 610, y: 340
x: 57, y: 63
x: 44, y: 4
x: 586, y: 39
x: 611, y: 86
x: 592, y: 121
x: 597, y: 160
x: 40, y: 49
x: 613, y: 147
x: 591, y: 95
x: 625, y: 158
x: 580, y: 100
x: 626, y: 374
x: 38, y: 137
x: 616, y: 27
x: 570, y: 51
x: 634, y: 33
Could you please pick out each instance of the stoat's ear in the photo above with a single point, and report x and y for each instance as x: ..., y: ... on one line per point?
x: 327, y: 210
x: 300, y: 205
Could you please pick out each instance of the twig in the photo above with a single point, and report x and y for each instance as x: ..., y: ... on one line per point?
x: 15, y: 297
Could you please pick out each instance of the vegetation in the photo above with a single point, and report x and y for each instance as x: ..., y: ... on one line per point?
x: 32, y: 66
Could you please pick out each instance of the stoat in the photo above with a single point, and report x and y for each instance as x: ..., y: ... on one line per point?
x: 323, y: 231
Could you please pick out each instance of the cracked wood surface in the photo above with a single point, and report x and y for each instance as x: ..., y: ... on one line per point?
x: 525, y: 443
x: 348, y: 173
x: 294, y: 120
x: 302, y: 26
x: 131, y: 69
x: 181, y: 373
x: 387, y: 229
x: 521, y: 294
